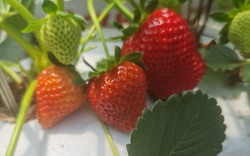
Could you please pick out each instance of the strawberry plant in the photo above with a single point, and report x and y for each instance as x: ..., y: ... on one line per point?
x: 159, y: 54
x: 234, y: 33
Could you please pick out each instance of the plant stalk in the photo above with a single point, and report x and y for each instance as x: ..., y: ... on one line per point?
x: 25, y: 103
x: 60, y: 4
x: 31, y: 50
x: 92, y: 28
x: 22, y: 10
x: 98, y: 27
x: 109, y: 138
x: 10, y: 72
x: 123, y: 9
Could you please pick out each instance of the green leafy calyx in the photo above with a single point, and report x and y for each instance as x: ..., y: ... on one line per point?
x: 49, y: 7
x: 107, y: 64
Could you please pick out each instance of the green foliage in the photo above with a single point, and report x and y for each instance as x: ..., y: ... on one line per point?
x: 221, y: 58
x: 11, y: 51
x: 245, y: 73
x: 105, y: 65
x: 49, y: 7
x: 221, y: 17
x: 237, y: 3
x: 186, y: 125
x: 228, y: 17
x: 224, y: 34
x: 34, y: 25
x: 11, y: 17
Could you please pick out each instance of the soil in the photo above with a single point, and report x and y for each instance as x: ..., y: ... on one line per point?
x: 18, y: 91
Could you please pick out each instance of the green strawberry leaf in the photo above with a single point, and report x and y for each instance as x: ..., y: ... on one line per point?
x: 132, y: 57
x: 100, y: 65
x: 247, y: 1
x: 110, y: 63
x: 117, y: 54
x: 224, y: 34
x: 49, y: 7
x: 141, y: 5
x: 34, y: 25
x: 151, y: 5
x: 80, y: 20
x: 54, y: 60
x: 107, y: 64
x: 221, y: 17
x: 78, y: 79
x: 187, y: 125
x: 130, y: 30
x: 118, y: 25
x: 237, y: 3
x: 245, y: 7
x: 94, y: 74
x: 16, y: 20
x: 137, y: 16
x: 245, y: 74
x: 221, y: 58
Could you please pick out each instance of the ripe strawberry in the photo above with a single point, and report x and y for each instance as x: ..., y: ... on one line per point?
x: 170, y: 54
x: 61, y: 35
x: 56, y: 95
x: 118, y: 96
x: 239, y: 32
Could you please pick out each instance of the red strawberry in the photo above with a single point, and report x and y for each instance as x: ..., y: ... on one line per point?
x: 119, y: 95
x: 56, y: 95
x: 170, y: 54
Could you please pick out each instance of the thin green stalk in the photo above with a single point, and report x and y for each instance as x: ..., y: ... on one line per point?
x: 11, y: 64
x: 123, y: 9
x: 85, y: 40
x: 25, y: 103
x: 10, y: 72
x: 60, y: 4
x: 31, y: 50
x: 109, y: 138
x: 98, y: 27
x: 21, y: 9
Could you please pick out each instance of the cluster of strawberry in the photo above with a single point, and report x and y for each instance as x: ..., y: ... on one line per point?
x: 118, y: 94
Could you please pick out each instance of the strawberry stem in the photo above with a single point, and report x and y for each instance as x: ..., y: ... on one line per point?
x: 10, y: 72
x: 109, y: 138
x: 31, y: 50
x: 123, y: 9
x: 22, y: 10
x: 98, y: 27
x: 25, y: 103
x: 60, y: 4
x: 92, y: 28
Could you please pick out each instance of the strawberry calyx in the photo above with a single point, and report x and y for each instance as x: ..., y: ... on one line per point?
x: 142, y: 10
x: 51, y: 9
x: 35, y: 25
x: 107, y: 64
x: 78, y: 79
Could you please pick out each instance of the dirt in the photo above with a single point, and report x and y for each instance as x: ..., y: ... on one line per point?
x: 18, y: 91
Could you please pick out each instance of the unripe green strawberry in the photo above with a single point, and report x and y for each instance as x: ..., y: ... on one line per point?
x: 61, y: 35
x: 239, y: 33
